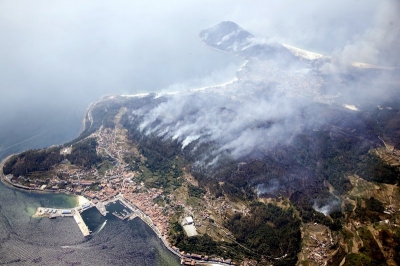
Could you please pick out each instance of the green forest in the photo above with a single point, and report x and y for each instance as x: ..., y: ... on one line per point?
x: 83, y: 154
x: 268, y: 230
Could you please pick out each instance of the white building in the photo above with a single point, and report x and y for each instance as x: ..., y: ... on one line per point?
x: 188, y: 220
x: 189, y: 227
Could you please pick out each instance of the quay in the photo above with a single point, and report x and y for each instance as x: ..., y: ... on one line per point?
x: 135, y: 212
x: 67, y: 212
x: 101, y: 207
x: 52, y: 213
x: 84, y: 229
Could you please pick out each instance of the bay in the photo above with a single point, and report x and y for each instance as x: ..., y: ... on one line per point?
x: 26, y: 240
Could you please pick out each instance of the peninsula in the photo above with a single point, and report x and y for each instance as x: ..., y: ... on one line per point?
x: 106, y: 167
x: 277, y: 167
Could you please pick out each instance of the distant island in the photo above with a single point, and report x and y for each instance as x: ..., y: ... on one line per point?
x: 277, y: 167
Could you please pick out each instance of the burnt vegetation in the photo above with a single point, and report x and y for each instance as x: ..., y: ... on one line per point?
x: 303, y: 169
x: 324, y: 153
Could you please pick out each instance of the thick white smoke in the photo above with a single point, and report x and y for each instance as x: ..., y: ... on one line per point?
x: 265, y: 105
x: 378, y: 45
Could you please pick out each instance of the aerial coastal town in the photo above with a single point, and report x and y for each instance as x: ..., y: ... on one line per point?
x: 114, y: 181
x: 117, y: 183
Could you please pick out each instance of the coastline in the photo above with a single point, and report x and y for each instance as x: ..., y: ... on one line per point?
x: 81, y: 200
x: 2, y: 176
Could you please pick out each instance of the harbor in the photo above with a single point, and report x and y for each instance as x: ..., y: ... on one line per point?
x: 119, y: 207
x: 130, y: 206
x: 129, y: 212
x: 53, y: 213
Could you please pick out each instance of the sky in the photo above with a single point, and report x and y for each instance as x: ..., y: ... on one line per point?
x: 56, y: 57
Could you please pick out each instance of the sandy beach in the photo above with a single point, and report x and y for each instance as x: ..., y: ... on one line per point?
x: 82, y: 200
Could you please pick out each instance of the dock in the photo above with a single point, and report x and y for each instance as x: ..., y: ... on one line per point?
x: 84, y: 229
x: 101, y: 207
x: 52, y: 213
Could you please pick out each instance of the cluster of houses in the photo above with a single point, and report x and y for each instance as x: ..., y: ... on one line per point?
x: 101, y: 188
x: 191, y: 259
x: 320, y: 251
x: 145, y: 202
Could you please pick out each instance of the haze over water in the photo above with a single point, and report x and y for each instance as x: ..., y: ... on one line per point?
x: 56, y: 58
x: 65, y: 68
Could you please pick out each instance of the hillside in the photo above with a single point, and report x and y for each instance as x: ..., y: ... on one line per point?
x: 273, y: 168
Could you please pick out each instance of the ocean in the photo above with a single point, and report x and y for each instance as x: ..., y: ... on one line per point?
x: 54, y: 120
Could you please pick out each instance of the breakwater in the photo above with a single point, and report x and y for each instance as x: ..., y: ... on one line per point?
x: 66, y: 212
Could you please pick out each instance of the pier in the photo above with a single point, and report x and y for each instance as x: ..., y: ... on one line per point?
x: 84, y: 229
x: 101, y: 207
x: 67, y: 212
x: 134, y: 213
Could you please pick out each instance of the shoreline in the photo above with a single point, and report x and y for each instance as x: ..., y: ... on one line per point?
x: 81, y: 200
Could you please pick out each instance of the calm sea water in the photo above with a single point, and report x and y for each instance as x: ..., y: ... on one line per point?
x: 25, y: 240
